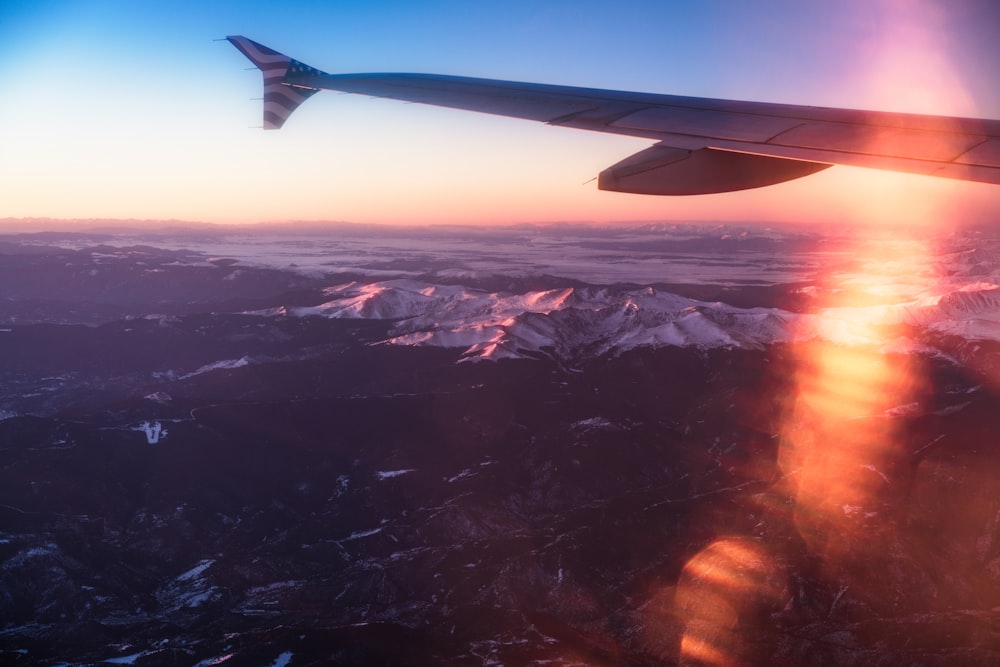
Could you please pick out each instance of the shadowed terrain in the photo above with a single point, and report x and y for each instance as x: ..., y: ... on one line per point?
x: 190, y: 471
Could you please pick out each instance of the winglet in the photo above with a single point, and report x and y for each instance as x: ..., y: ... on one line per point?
x: 280, y: 97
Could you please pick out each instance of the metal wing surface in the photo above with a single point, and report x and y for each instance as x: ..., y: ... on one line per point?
x: 704, y: 145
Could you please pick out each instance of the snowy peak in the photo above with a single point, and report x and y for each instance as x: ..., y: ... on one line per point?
x: 972, y: 312
x: 567, y: 322
x: 980, y: 300
x: 571, y: 323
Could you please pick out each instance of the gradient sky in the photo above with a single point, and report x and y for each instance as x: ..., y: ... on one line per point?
x: 118, y: 109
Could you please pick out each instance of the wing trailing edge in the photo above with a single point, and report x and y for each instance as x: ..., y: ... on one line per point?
x: 705, y: 145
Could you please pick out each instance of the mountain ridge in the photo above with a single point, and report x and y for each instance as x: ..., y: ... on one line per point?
x: 575, y: 322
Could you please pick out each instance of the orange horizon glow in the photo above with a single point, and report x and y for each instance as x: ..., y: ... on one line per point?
x: 835, y: 196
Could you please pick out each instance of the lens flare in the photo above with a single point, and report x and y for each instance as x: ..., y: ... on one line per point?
x: 840, y: 440
x: 719, y: 598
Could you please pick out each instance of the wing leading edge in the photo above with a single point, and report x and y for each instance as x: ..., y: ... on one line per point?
x: 704, y: 145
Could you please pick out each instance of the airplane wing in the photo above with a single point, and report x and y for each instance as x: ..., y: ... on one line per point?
x: 704, y: 145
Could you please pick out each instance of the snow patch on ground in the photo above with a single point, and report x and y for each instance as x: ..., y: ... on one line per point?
x: 360, y: 534
x: 189, y: 589
x: 595, y: 423
x: 226, y: 364
x: 196, y: 570
x: 388, y: 474
x: 49, y: 549
x: 907, y: 410
x: 154, y: 431
x: 462, y: 475
x: 875, y: 470
x: 124, y: 660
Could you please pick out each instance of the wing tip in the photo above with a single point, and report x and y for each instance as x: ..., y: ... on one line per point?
x: 280, y: 99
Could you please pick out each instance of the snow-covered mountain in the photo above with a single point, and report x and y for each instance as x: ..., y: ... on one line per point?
x: 574, y: 322
x: 567, y: 322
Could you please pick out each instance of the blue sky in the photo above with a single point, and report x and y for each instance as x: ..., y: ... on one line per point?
x: 115, y: 109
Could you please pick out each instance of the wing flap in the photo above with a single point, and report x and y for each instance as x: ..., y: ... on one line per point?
x: 966, y: 171
x: 888, y: 141
x: 725, y: 125
x: 668, y: 170
x: 914, y: 144
x: 986, y: 154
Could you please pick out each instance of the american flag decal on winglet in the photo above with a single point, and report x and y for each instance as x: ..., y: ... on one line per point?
x: 280, y: 98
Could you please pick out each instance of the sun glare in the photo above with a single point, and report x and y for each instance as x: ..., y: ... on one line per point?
x: 841, y: 443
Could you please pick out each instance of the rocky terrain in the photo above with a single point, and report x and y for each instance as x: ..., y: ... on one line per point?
x: 207, y: 460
